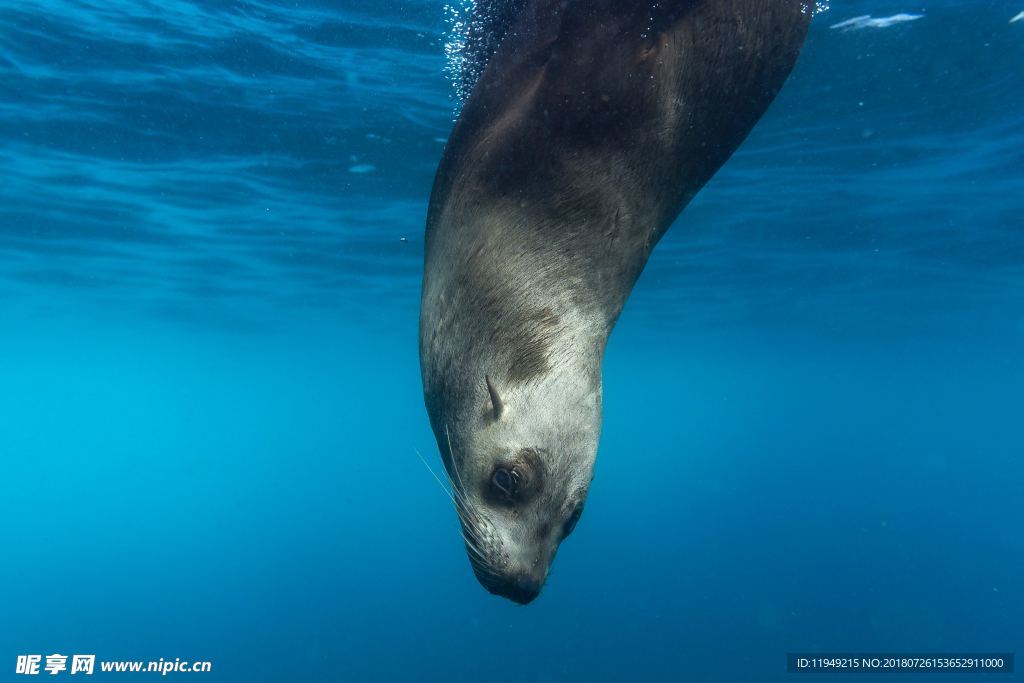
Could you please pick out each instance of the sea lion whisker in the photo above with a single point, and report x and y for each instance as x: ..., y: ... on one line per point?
x: 434, y: 475
x: 481, y: 565
x: 467, y: 527
x: 451, y: 456
x: 473, y: 549
x: 476, y: 552
x: 462, y: 500
x: 470, y: 538
x: 470, y: 518
x: 469, y: 541
x: 457, y: 493
x: 471, y: 530
x: 465, y: 510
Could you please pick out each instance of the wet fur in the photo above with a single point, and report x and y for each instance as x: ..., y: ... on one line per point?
x: 592, y: 126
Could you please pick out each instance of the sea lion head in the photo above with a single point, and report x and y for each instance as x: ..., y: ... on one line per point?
x: 520, y: 458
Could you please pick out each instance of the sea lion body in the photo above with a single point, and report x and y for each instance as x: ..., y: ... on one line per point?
x: 593, y: 124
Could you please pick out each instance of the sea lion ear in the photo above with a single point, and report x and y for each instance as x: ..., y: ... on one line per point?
x: 496, y: 405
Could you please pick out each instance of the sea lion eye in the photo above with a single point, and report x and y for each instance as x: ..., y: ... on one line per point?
x: 506, y: 481
x: 570, y: 523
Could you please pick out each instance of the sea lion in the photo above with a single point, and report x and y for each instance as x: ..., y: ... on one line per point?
x: 592, y: 125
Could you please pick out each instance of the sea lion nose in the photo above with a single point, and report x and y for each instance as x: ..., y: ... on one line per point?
x: 519, y: 587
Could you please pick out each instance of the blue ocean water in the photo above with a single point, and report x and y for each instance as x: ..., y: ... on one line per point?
x: 211, y: 220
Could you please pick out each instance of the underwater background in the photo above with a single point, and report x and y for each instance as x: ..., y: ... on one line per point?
x: 211, y: 222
